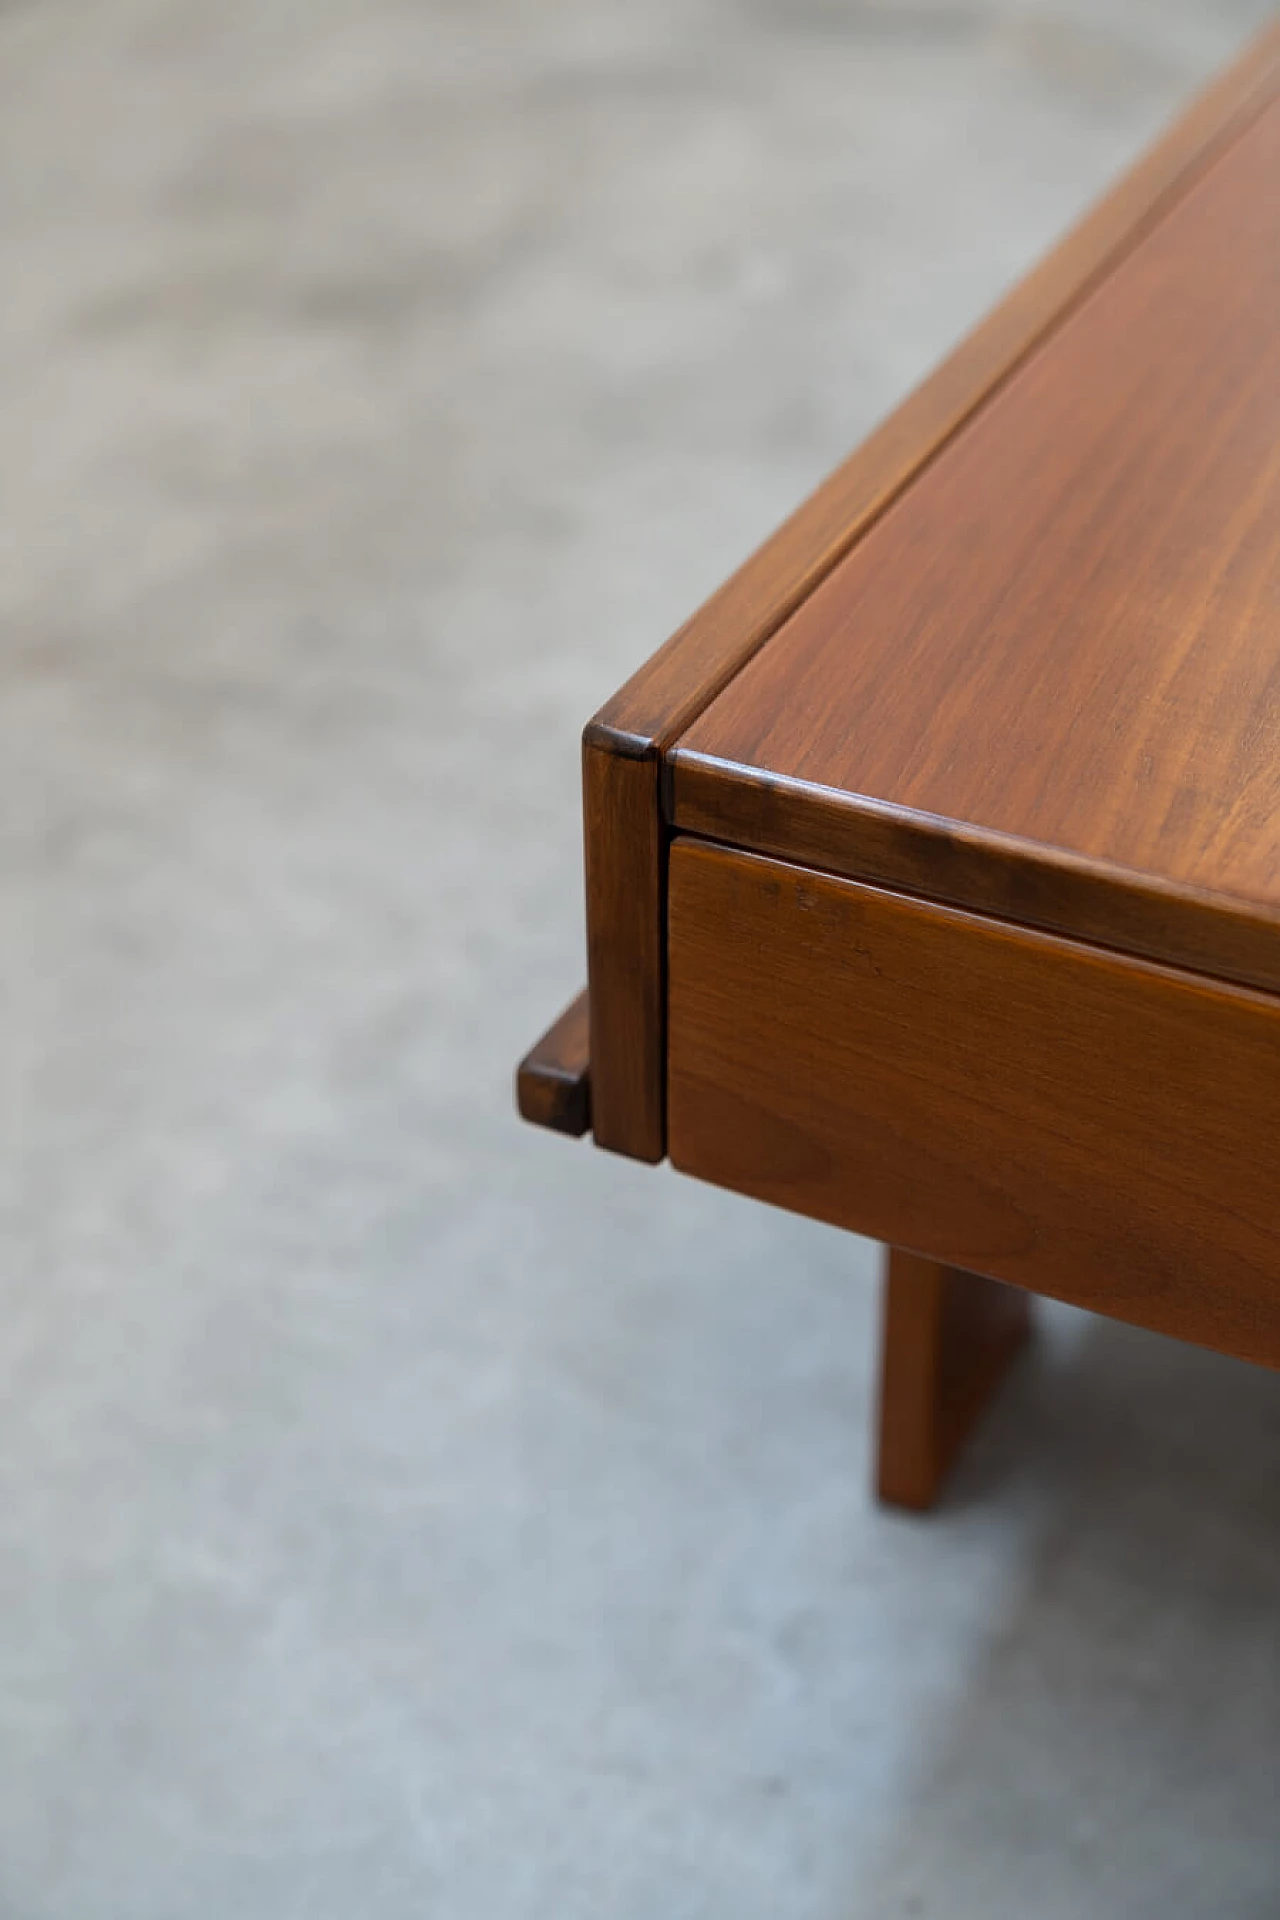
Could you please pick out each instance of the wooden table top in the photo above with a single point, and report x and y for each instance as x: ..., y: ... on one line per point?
x: 1012, y: 672
x: 1046, y: 683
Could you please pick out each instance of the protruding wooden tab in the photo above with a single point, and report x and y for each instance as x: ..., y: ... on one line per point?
x: 947, y: 1342
x: 553, y: 1081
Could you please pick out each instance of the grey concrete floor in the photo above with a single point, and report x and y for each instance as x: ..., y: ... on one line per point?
x: 402, y: 1513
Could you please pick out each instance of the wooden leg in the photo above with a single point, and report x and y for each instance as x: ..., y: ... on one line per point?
x: 947, y: 1341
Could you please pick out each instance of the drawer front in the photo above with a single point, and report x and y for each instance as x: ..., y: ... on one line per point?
x: 1078, y: 1122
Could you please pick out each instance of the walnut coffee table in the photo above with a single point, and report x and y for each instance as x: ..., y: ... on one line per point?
x: 933, y: 868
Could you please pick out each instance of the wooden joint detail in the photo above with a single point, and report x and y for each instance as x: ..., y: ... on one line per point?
x: 553, y: 1081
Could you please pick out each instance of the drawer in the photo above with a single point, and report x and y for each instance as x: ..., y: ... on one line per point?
x: 1082, y: 1123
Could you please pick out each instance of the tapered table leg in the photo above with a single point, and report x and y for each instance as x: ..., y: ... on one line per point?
x: 948, y: 1338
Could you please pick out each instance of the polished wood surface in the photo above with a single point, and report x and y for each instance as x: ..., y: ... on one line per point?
x: 624, y: 863
x: 625, y: 743
x: 1067, y: 635
x: 553, y: 1081
x: 1014, y: 879
x: 1017, y: 654
x: 666, y: 694
x: 947, y: 1340
x: 1078, y: 1123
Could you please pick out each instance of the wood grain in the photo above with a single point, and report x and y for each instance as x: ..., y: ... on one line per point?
x: 1066, y: 637
x: 947, y: 1340
x: 1075, y: 1122
x: 665, y: 695
x: 630, y: 734
x: 950, y: 861
x: 553, y: 1081
x: 624, y: 859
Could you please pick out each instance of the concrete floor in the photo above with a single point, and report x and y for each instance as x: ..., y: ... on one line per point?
x: 402, y: 1513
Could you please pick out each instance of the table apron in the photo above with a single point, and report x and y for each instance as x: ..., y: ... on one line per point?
x: 1078, y: 1122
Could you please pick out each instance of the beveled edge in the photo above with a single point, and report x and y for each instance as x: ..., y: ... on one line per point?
x: 978, y: 869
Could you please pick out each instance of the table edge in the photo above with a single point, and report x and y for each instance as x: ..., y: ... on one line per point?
x: 624, y: 745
